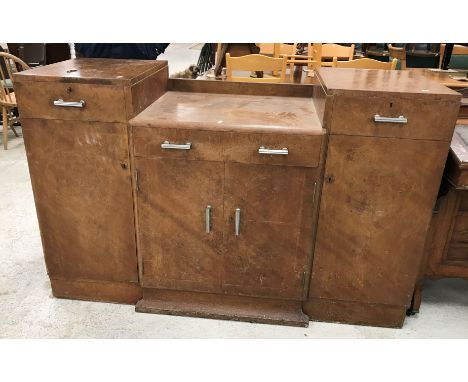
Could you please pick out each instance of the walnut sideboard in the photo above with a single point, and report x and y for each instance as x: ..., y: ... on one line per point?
x: 274, y: 203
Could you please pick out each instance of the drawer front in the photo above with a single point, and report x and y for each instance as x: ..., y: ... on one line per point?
x: 204, y: 145
x: 434, y: 120
x: 302, y: 150
x: 62, y: 100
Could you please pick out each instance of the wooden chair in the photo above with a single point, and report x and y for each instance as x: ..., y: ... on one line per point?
x: 9, y: 64
x: 255, y: 63
x: 312, y: 59
x: 365, y: 63
x: 398, y: 53
x: 339, y: 51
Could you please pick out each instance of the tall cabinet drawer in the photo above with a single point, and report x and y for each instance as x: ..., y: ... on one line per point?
x: 393, y: 117
x: 72, y: 101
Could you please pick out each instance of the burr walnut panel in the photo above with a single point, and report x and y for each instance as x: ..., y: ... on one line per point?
x: 82, y: 188
x: 176, y: 250
x: 376, y: 205
x: 355, y: 116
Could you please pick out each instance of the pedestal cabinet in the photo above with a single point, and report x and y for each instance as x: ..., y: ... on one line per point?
x: 74, y: 116
x: 389, y: 137
x: 225, y: 204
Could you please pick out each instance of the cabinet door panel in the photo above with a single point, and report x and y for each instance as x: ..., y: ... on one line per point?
x: 269, y: 258
x: 376, y: 204
x: 176, y: 250
x: 83, y: 193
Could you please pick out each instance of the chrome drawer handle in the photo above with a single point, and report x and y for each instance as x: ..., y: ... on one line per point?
x: 237, y: 223
x: 62, y: 103
x: 263, y: 150
x: 400, y: 119
x: 175, y: 146
x: 208, y: 219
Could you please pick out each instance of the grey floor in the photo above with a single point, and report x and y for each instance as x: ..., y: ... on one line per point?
x: 28, y: 310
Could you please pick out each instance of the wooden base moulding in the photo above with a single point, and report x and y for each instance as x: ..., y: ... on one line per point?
x: 102, y: 291
x: 223, y: 307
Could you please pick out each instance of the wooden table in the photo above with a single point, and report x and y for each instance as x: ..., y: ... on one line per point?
x: 442, y: 78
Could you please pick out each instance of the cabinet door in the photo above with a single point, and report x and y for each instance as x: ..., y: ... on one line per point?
x: 376, y: 204
x: 269, y: 257
x: 83, y: 192
x: 175, y: 249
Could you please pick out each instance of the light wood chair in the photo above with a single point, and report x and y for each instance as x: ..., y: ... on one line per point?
x: 398, y: 53
x: 365, y: 63
x: 339, y: 51
x: 312, y: 59
x: 9, y: 64
x: 255, y: 63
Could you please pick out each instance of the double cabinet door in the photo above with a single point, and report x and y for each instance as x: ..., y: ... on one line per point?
x: 225, y: 227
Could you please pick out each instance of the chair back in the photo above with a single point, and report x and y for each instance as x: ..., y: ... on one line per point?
x: 339, y: 51
x: 255, y: 63
x: 398, y: 53
x: 365, y: 63
x: 9, y: 64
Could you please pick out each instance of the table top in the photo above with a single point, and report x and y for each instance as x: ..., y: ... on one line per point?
x: 93, y: 70
x: 442, y: 78
x: 228, y: 112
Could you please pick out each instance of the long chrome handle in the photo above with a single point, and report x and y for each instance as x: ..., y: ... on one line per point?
x: 208, y: 219
x: 263, y: 150
x: 400, y: 119
x: 237, y: 223
x: 175, y: 146
x: 62, y: 103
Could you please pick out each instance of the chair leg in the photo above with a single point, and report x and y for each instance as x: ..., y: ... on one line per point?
x: 14, y: 131
x: 5, y: 127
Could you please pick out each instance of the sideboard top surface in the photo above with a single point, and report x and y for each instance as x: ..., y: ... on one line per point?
x: 93, y: 71
x: 227, y: 112
x: 354, y: 82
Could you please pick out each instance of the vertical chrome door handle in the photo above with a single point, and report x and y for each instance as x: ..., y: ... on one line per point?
x: 237, y: 222
x: 208, y: 219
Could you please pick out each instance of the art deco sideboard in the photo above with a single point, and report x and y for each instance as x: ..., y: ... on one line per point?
x: 274, y: 203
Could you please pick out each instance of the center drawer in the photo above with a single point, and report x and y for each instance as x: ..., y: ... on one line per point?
x: 259, y: 148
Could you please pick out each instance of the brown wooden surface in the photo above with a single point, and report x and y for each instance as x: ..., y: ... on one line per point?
x: 354, y: 115
x: 82, y: 188
x: 361, y: 82
x: 223, y: 307
x: 270, y: 256
x: 105, y: 71
x: 96, y: 290
x: 228, y: 87
x: 226, y: 112
x: 206, y: 145
x: 81, y: 171
x: 356, y: 313
x: 38, y: 101
x: 447, y: 244
x: 374, y: 214
x: 176, y: 251
x: 444, y: 79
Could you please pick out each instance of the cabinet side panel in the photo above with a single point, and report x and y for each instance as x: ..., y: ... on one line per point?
x: 82, y: 189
